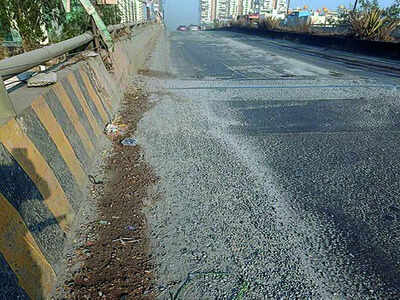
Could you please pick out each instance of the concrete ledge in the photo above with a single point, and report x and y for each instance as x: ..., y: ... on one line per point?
x: 373, y: 48
x: 46, y: 153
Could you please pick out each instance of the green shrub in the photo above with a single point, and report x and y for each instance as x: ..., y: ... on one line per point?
x: 270, y: 23
x: 372, y: 24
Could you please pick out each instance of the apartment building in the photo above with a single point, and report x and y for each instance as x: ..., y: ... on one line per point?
x: 126, y: 8
x: 139, y: 11
x: 132, y: 10
x: 247, y: 7
x: 222, y: 9
x: 268, y: 7
x: 205, y: 11
x: 233, y: 8
x: 281, y: 6
x: 211, y: 10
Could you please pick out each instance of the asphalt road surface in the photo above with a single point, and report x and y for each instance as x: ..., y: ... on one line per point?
x: 279, y: 170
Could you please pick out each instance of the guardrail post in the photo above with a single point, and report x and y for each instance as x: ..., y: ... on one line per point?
x: 6, y: 107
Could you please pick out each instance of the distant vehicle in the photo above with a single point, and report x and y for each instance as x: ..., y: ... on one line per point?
x: 194, y: 27
x: 182, y: 28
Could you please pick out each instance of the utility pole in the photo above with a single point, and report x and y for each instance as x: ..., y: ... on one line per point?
x: 355, y: 5
x: 288, y: 6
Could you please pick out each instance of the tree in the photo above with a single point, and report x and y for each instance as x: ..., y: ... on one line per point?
x: 4, y: 26
x: 75, y: 23
x: 30, y: 19
x: 372, y: 24
x: 33, y: 19
x: 111, y: 14
x: 369, y: 4
x: 343, y: 15
x: 78, y: 21
x: 369, y: 21
x: 393, y: 11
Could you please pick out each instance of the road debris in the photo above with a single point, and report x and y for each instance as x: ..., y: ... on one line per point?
x: 25, y: 76
x: 89, y: 54
x: 119, y: 260
x: 116, y: 130
x: 126, y: 240
x: 93, y: 180
x: 132, y: 142
x: 42, y: 79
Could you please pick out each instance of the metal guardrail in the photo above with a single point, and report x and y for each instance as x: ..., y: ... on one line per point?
x: 15, y: 65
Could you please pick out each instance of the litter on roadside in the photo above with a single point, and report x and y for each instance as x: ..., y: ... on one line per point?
x: 93, y: 180
x: 126, y: 240
x: 104, y: 223
x: 25, y: 76
x: 115, y: 130
x: 132, y: 142
x: 89, y: 54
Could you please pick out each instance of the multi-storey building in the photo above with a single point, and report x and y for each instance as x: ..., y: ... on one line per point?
x: 266, y: 7
x: 222, y: 9
x: 126, y: 8
x: 281, y: 6
x: 134, y: 10
x: 214, y: 10
x: 273, y: 6
x: 211, y: 10
x: 205, y: 11
x: 233, y: 8
x: 247, y: 7
x: 139, y: 9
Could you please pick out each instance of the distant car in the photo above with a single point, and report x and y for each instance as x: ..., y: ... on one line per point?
x: 182, y: 28
x: 194, y: 28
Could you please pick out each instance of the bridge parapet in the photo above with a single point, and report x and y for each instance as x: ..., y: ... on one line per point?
x: 46, y: 152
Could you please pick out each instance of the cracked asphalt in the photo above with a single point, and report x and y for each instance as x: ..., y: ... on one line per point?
x: 279, y: 171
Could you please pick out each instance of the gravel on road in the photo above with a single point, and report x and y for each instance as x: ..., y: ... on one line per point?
x: 277, y: 173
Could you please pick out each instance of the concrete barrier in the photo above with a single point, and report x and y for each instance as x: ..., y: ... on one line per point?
x: 46, y: 153
x: 374, y: 48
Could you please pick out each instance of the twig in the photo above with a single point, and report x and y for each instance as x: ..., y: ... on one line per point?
x: 243, y: 290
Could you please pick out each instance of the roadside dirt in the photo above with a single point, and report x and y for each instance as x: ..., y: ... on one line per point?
x: 115, y: 260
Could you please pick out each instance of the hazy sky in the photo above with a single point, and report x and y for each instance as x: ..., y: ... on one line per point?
x: 187, y: 11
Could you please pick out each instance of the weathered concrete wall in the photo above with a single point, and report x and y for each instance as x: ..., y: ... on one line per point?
x: 46, y: 153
